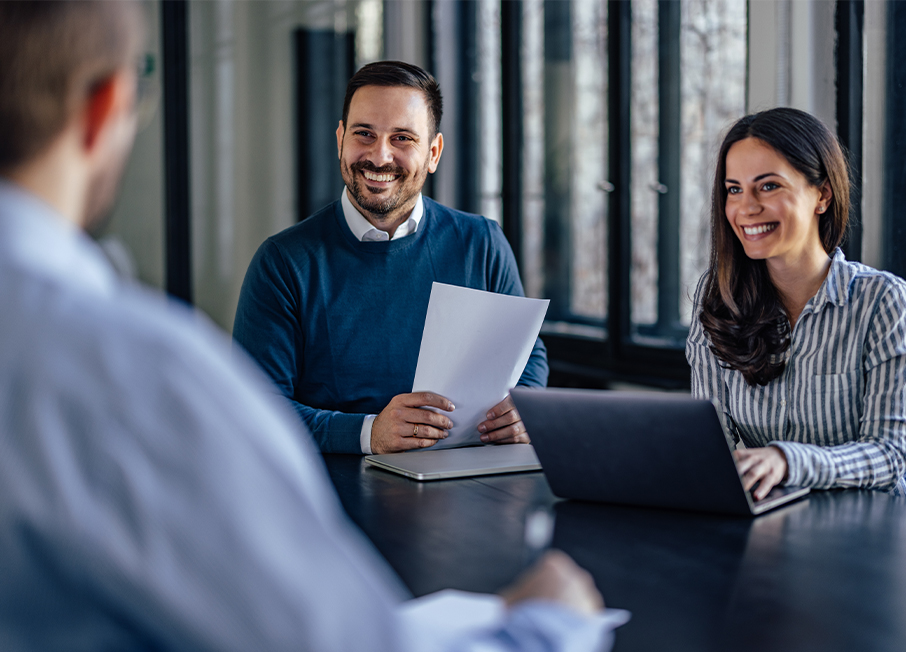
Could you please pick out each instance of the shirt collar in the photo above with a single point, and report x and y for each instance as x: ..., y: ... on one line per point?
x: 364, y: 230
x: 34, y: 236
x: 837, y: 286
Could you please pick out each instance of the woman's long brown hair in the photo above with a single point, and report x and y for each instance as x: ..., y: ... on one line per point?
x: 742, y: 311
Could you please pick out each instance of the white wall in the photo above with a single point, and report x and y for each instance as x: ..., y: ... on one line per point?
x: 873, y: 130
x: 791, y: 56
x: 243, y: 134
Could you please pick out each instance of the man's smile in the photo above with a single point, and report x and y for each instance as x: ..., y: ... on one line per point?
x: 381, y: 177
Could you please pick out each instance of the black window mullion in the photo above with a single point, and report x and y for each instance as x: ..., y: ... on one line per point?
x: 850, y: 21
x: 512, y: 149
x: 895, y: 126
x: 325, y: 60
x: 557, y: 156
x: 619, y: 30
x: 174, y: 16
x: 468, y: 191
x: 428, y: 190
x: 669, y: 126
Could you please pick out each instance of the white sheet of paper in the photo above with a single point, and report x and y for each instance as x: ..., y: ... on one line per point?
x: 474, y: 349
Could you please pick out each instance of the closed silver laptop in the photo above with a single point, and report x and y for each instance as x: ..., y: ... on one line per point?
x: 638, y: 448
x: 426, y: 464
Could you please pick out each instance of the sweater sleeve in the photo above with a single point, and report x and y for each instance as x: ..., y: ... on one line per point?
x: 267, y: 326
x: 504, y: 279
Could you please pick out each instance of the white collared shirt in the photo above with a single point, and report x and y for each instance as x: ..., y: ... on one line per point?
x: 364, y: 231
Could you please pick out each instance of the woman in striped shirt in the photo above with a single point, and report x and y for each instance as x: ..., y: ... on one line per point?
x: 804, y: 352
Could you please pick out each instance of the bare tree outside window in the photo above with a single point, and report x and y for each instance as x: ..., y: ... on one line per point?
x: 712, y: 81
x: 589, y: 202
x: 644, y: 119
x: 489, y: 91
x: 713, y: 47
x: 565, y: 75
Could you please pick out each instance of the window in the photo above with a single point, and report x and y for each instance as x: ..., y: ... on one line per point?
x: 588, y: 129
x: 620, y: 110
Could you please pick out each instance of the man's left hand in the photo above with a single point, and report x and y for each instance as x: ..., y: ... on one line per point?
x: 504, y: 425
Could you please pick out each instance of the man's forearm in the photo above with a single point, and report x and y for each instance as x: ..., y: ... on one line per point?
x: 536, y: 369
x: 333, y: 431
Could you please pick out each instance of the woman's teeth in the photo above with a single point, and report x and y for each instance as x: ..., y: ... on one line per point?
x: 761, y: 228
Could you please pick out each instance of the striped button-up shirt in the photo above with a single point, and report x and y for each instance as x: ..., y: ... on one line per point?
x: 838, y: 410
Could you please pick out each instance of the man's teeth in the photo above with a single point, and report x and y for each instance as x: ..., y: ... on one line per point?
x: 372, y: 176
x: 762, y: 228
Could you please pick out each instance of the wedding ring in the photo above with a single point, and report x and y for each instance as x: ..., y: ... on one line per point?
x: 415, y: 434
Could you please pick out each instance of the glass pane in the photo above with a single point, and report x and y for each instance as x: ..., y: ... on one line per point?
x: 713, y: 55
x: 711, y: 93
x: 564, y: 63
x: 489, y: 123
x: 369, y: 32
x: 644, y: 126
x: 588, y: 296
x: 532, y: 56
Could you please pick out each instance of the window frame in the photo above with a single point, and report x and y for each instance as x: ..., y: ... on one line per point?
x: 581, y: 358
x: 583, y: 354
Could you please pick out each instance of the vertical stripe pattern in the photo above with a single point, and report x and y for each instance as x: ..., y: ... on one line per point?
x: 838, y: 411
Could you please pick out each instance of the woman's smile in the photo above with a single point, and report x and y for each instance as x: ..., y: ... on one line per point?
x: 771, y: 206
x: 756, y: 231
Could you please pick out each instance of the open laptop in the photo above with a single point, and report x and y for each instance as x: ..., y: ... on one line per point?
x: 426, y: 464
x: 638, y: 448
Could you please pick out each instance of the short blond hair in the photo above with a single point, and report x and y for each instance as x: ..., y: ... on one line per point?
x: 51, y: 55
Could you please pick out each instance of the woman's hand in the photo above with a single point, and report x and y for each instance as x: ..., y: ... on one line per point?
x: 766, y: 467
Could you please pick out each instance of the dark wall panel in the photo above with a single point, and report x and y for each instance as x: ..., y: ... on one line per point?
x: 895, y: 163
x: 325, y: 60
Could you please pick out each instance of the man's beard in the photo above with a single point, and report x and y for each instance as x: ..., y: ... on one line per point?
x: 382, y: 204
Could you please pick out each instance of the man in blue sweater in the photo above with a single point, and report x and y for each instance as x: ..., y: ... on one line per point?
x: 334, y: 307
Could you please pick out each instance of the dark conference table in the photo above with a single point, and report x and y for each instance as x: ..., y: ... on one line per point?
x: 825, y: 574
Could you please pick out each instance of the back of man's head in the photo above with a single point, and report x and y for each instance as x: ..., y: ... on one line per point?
x: 52, y: 53
x: 398, y: 73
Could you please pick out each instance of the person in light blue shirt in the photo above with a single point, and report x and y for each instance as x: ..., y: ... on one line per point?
x: 804, y: 351
x: 154, y: 494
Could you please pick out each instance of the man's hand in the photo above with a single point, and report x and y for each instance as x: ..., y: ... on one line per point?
x: 558, y: 578
x: 766, y: 466
x: 405, y: 424
x: 504, y: 425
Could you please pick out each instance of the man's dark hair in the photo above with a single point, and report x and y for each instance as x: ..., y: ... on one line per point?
x: 398, y: 73
x: 51, y: 55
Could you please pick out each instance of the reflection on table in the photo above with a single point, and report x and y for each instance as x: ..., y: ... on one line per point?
x: 824, y: 574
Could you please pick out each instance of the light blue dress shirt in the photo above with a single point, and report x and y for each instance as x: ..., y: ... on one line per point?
x: 155, y: 495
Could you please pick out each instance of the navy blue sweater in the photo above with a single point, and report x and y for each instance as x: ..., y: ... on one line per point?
x: 337, y: 323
